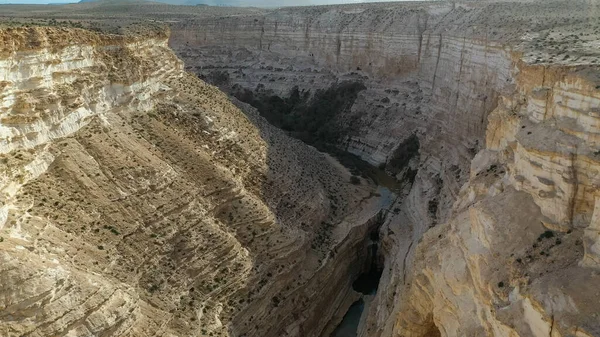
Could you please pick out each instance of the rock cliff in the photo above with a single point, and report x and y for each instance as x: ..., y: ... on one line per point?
x: 139, y: 201
x: 498, y: 234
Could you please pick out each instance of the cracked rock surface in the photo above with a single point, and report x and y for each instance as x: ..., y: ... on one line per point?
x: 137, y: 200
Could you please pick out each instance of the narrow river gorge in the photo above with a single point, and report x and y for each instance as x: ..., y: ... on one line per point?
x: 410, y: 169
x: 366, y: 284
x: 467, y: 108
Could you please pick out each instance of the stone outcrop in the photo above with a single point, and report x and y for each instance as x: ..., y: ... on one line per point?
x: 498, y: 235
x: 517, y: 257
x: 136, y: 200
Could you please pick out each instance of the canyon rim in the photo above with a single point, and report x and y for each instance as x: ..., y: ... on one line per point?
x: 377, y: 170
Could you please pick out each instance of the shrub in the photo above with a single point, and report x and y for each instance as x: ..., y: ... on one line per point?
x: 546, y: 235
x: 310, y: 120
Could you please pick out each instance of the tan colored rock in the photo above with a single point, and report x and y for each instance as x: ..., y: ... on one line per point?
x: 498, y: 235
x: 494, y: 268
x: 138, y: 200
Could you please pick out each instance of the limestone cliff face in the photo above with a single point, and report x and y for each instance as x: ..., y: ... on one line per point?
x: 498, y: 235
x: 517, y: 257
x: 136, y: 200
x: 426, y: 70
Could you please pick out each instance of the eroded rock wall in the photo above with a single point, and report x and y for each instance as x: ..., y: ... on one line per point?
x: 423, y: 75
x: 503, y: 99
x: 139, y: 201
x: 518, y: 256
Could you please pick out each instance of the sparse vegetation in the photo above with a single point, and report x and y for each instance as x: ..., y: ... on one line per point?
x: 546, y: 235
x: 162, y: 179
x: 310, y: 119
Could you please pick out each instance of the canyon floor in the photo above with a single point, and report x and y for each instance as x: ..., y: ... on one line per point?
x: 377, y: 170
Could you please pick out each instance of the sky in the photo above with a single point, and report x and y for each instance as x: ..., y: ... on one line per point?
x: 246, y: 2
x: 34, y: 1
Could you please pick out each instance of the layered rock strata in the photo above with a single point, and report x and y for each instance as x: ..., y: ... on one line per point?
x: 139, y: 201
x: 150, y: 205
x: 499, y: 228
x: 517, y: 255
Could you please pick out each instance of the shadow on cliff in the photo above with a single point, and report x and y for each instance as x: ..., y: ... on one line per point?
x: 312, y: 117
x: 303, y: 175
x: 324, y: 119
x: 309, y: 195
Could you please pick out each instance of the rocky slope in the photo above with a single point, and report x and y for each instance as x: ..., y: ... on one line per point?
x: 498, y: 234
x: 517, y: 257
x: 136, y: 200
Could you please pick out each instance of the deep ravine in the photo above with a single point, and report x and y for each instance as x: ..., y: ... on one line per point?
x: 366, y: 284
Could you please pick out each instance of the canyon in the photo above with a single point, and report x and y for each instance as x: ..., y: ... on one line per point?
x: 206, y: 171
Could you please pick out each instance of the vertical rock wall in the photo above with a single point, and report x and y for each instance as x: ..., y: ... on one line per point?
x: 502, y: 214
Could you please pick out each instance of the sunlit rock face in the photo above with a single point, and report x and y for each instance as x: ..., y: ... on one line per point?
x: 137, y: 200
x: 519, y: 257
x: 423, y: 77
x: 499, y: 233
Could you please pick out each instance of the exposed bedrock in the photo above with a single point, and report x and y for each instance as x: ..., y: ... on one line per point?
x: 419, y: 78
x: 498, y: 234
x: 136, y: 200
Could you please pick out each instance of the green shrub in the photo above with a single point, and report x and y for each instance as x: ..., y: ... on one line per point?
x: 546, y: 235
x: 311, y: 120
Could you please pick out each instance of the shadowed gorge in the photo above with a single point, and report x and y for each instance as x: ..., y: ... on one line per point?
x: 308, y: 117
x: 406, y: 169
